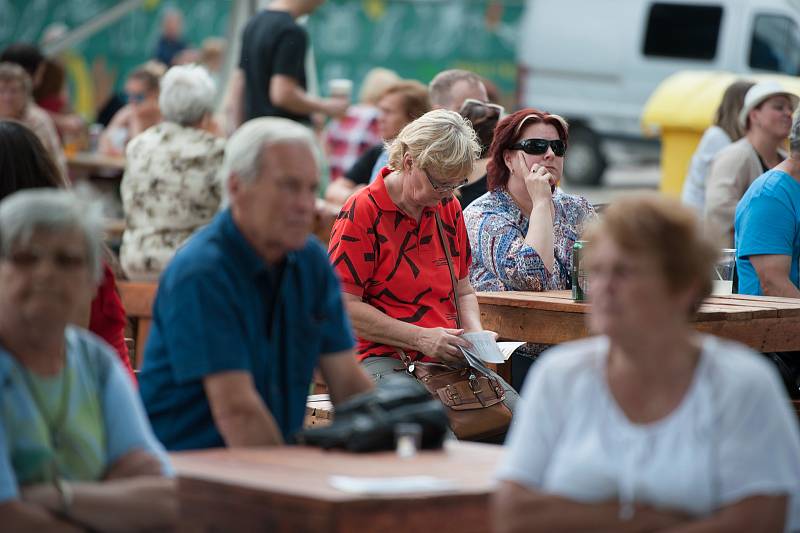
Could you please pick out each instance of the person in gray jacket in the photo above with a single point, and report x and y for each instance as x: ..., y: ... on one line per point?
x: 766, y: 118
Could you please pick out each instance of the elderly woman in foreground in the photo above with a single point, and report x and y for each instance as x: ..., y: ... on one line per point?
x: 170, y: 187
x: 650, y: 425
x: 76, y: 450
x: 386, y: 248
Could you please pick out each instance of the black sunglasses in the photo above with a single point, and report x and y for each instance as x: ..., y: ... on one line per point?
x: 539, y: 146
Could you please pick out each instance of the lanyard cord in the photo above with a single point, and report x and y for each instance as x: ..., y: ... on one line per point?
x: 54, y: 426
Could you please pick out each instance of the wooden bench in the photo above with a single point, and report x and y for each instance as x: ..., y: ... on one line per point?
x: 137, y: 299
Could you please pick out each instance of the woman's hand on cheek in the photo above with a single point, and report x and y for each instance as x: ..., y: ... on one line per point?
x: 537, y: 182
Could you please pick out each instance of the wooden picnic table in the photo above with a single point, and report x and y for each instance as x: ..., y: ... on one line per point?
x: 94, y: 164
x: 287, y: 490
x: 765, y: 323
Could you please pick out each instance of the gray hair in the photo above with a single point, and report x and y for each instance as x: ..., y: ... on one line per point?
x: 441, y: 85
x: 26, y: 211
x: 187, y: 94
x: 438, y: 140
x: 794, y: 135
x: 245, y: 148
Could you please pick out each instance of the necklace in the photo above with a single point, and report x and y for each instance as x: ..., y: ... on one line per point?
x: 54, y: 425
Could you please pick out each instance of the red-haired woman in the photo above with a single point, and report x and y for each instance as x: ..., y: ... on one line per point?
x: 522, y: 231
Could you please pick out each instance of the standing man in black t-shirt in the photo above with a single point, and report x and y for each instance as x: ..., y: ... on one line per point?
x: 272, y: 78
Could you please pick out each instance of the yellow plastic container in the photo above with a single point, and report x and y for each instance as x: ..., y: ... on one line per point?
x: 681, y: 108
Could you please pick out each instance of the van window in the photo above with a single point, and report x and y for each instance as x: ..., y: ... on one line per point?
x: 775, y: 45
x: 683, y: 31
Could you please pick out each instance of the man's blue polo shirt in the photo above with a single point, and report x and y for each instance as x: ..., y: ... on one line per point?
x: 767, y: 222
x: 211, y: 314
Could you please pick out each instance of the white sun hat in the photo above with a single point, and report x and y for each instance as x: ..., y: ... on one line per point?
x: 760, y: 92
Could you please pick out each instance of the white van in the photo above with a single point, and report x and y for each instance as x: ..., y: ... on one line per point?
x: 597, y: 61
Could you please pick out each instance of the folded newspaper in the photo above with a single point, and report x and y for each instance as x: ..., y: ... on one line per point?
x: 486, y: 350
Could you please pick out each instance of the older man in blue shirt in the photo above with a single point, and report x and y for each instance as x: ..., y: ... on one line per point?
x: 249, y: 306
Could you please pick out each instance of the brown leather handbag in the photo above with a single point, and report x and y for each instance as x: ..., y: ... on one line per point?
x: 474, y: 399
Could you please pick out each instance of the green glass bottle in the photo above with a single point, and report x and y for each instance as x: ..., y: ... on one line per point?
x: 579, y: 279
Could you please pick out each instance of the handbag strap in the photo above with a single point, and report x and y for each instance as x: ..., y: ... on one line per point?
x: 404, y: 357
x: 446, y: 247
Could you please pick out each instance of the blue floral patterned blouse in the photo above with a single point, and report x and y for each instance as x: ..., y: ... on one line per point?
x: 503, y: 261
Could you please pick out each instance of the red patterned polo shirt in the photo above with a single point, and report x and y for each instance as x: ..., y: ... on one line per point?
x: 397, y: 265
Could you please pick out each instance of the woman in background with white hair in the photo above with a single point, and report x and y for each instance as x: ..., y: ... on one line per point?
x: 170, y: 187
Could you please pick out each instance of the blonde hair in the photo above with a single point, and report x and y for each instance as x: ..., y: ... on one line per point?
x: 415, y: 97
x: 653, y: 225
x: 375, y: 83
x: 440, y: 139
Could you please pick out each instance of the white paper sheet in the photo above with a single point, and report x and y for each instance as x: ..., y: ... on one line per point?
x: 484, y: 346
x: 508, y: 347
x: 487, y: 349
x: 390, y: 485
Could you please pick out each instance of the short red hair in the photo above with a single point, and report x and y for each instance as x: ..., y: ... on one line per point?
x: 507, y: 133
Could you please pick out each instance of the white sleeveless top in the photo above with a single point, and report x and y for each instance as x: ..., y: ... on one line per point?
x: 733, y: 435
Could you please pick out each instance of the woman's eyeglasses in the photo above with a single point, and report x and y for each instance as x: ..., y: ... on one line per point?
x: 27, y: 259
x: 539, y: 146
x: 476, y: 111
x: 439, y: 187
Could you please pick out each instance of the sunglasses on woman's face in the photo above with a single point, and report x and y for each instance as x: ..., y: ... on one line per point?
x: 136, y: 98
x: 539, y: 146
x: 475, y: 110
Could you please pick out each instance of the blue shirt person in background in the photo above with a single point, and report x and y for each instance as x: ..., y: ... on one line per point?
x: 767, y: 228
x: 171, y: 42
x: 250, y: 306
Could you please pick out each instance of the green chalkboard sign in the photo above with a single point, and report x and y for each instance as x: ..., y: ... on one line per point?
x: 118, y: 48
x: 417, y: 38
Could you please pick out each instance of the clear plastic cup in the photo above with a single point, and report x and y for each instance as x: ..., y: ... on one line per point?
x: 723, y: 273
x: 407, y: 439
x: 341, y: 88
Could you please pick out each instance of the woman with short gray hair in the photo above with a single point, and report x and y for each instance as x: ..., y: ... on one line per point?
x: 171, y: 186
x: 187, y: 95
x: 53, y: 210
x: 76, y: 449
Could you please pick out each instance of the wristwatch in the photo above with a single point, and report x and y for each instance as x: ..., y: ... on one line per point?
x: 65, y: 495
